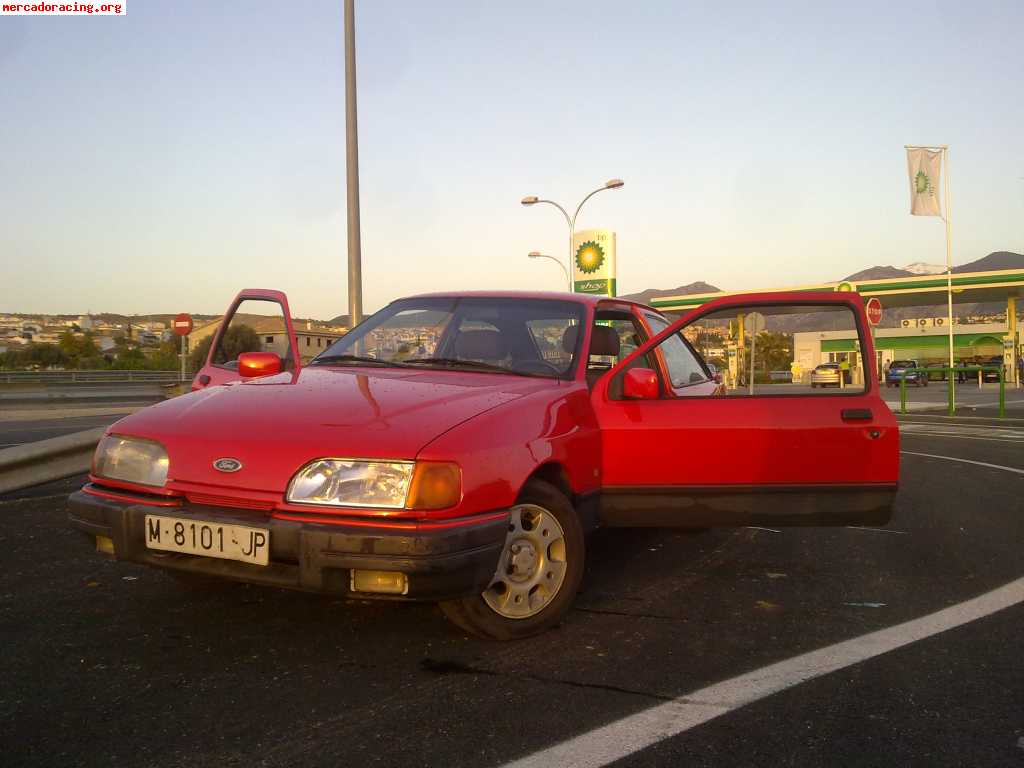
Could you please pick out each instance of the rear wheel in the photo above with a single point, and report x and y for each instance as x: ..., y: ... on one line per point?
x: 539, y: 570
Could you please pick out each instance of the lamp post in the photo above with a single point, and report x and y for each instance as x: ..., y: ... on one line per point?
x: 538, y: 255
x: 571, y: 220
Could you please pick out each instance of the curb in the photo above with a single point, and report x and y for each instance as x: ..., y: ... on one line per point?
x: 44, y: 461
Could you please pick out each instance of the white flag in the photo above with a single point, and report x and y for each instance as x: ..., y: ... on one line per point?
x: 925, y: 168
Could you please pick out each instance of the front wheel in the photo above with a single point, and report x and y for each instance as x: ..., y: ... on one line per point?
x: 539, y: 570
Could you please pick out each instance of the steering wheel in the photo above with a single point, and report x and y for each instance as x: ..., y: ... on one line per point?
x: 535, y: 366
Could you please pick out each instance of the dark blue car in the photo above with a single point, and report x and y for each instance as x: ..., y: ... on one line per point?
x: 902, y: 369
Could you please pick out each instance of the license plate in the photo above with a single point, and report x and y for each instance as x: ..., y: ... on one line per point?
x: 196, y: 537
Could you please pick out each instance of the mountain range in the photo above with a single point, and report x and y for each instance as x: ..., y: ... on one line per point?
x: 995, y: 260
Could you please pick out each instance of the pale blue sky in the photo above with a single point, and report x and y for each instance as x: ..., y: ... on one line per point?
x: 163, y: 160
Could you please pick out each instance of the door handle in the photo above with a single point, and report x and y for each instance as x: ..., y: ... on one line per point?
x: 856, y: 414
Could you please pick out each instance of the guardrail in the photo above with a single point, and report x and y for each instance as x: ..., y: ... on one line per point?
x: 47, y: 460
x: 949, y: 373
x: 88, y: 377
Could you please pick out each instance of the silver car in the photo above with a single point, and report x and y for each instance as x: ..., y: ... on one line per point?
x: 825, y: 375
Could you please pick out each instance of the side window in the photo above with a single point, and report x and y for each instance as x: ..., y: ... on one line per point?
x: 681, y: 362
x: 783, y: 349
x: 551, y: 337
x: 258, y: 325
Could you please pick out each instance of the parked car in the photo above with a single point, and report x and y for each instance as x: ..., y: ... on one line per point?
x: 936, y: 371
x: 902, y: 370
x: 990, y: 362
x: 826, y: 375
x: 467, y: 473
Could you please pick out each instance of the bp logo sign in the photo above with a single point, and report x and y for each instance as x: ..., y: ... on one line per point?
x: 923, y: 184
x: 589, y: 257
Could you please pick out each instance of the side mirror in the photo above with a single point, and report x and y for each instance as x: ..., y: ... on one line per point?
x: 640, y: 384
x: 718, y: 377
x: 252, y: 364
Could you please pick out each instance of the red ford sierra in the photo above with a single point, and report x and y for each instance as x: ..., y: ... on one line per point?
x: 458, y: 447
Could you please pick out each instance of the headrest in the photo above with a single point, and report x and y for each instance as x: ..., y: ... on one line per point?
x: 604, y: 341
x: 481, y: 345
x: 569, y: 338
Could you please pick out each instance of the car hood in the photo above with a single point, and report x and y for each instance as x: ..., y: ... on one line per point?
x: 276, y: 424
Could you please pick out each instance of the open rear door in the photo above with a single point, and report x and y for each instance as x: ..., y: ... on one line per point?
x: 774, y: 446
x: 258, y: 320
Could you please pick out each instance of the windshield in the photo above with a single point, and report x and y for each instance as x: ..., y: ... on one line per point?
x: 904, y: 364
x: 527, y: 337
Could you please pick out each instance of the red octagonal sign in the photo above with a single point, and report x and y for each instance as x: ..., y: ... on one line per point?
x: 874, y: 310
x: 182, y: 324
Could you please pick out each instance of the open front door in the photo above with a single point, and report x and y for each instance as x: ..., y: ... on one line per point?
x: 777, y: 445
x: 258, y: 321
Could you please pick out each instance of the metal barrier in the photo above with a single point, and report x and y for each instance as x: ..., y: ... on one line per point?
x: 950, y: 384
x: 88, y: 377
x: 47, y: 460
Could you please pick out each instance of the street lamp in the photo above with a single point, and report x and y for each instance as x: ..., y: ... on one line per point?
x: 571, y: 220
x: 538, y: 255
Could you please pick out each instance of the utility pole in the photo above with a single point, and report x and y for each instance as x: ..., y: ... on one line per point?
x: 355, y: 271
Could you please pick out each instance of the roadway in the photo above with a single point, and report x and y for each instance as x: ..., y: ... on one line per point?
x: 25, y: 424
x: 109, y: 663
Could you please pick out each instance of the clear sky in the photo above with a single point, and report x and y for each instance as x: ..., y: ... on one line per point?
x: 161, y: 161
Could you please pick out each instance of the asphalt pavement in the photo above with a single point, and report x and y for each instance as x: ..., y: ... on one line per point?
x: 110, y: 663
x: 30, y: 426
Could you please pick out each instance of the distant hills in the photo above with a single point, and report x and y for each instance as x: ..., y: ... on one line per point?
x: 994, y: 261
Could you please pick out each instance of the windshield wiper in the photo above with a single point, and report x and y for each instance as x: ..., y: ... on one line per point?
x: 361, y: 359
x: 454, y: 362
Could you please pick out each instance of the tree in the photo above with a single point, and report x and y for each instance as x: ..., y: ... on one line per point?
x: 77, y: 348
x: 237, y: 339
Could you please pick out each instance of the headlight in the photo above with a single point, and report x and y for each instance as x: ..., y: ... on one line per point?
x: 352, y: 483
x: 382, y: 484
x: 131, y: 459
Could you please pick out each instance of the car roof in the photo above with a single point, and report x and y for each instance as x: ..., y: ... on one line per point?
x: 579, y: 298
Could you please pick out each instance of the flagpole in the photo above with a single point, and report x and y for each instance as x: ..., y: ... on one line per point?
x: 949, y: 269
x: 944, y: 148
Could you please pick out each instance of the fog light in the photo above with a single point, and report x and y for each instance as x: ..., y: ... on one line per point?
x: 386, y: 582
x: 105, y: 545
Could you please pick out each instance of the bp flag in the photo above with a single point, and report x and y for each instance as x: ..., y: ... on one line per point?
x: 925, y: 169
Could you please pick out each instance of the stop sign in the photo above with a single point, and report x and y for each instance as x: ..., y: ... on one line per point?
x: 182, y: 324
x: 874, y: 310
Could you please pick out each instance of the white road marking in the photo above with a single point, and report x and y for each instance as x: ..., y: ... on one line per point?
x: 964, y: 431
x: 634, y: 733
x: 966, y: 461
x: 876, y: 530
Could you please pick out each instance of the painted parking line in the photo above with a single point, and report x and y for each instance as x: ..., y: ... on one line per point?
x: 634, y: 733
x: 966, y: 461
x: 964, y: 431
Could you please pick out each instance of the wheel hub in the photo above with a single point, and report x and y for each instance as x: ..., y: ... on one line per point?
x: 523, y: 561
x: 532, y: 565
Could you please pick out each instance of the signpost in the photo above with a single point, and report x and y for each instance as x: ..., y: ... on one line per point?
x: 755, y: 324
x: 182, y: 326
x: 593, y: 262
x: 874, y: 312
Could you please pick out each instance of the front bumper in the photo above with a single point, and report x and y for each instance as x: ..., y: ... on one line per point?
x: 441, y: 562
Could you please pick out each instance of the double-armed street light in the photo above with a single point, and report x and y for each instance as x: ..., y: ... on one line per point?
x: 570, y: 220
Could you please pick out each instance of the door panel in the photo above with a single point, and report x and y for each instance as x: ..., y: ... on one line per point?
x: 782, y: 454
x: 258, y: 320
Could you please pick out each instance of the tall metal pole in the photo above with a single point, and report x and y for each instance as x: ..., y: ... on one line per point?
x: 949, y: 266
x: 355, y: 270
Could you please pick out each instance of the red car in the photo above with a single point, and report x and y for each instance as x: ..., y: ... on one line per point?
x: 457, y: 447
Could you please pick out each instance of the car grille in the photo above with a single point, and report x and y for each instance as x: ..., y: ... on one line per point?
x: 229, y: 501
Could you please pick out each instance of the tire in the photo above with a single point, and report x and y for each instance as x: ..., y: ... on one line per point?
x: 521, y: 605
